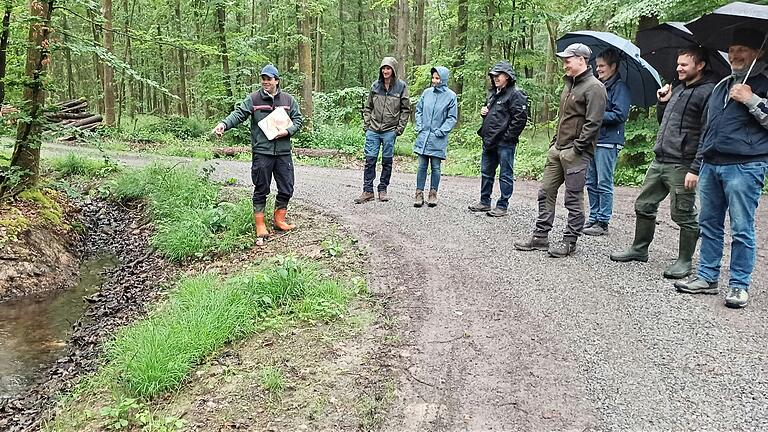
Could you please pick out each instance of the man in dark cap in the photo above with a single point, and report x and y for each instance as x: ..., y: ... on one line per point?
x: 504, y: 117
x: 734, y: 148
x: 270, y: 156
x: 582, y: 106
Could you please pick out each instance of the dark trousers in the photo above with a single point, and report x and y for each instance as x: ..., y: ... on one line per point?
x: 369, y: 175
x: 504, y: 159
x: 263, y: 167
x: 562, y: 167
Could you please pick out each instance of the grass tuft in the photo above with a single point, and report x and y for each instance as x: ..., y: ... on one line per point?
x: 272, y: 380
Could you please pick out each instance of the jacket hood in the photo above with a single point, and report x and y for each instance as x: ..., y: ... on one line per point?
x: 503, y: 67
x: 391, y: 62
x: 444, y: 74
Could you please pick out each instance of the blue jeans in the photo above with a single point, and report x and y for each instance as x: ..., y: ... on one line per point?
x: 735, y: 188
x: 600, y: 183
x: 421, y: 174
x: 375, y: 141
x: 504, y: 159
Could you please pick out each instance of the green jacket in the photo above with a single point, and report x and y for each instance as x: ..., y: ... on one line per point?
x: 582, y: 105
x: 259, y: 105
x: 387, y: 108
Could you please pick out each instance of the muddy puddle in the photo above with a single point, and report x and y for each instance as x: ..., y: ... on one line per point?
x: 34, y: 329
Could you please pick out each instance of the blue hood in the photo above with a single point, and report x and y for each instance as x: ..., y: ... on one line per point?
x: 444, y: 75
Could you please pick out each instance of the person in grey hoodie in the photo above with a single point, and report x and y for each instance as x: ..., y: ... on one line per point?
x: 385, y: 115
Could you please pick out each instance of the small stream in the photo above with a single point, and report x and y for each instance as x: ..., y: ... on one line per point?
x: 34, y: 329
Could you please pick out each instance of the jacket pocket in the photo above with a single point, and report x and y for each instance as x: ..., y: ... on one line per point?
x: 685, y: 200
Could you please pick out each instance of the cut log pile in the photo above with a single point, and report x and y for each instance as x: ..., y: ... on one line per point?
x: 73, y: 113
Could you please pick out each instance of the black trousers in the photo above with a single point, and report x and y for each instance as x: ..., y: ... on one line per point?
x: 263, y: 168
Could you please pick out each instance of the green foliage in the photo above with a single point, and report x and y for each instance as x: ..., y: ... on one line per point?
x: 179, y: 127
x: 637, y: 154
x: 128, y: 413
x: 204, y: 312
x: 76, y: 165
x: 189, y: 218
x: 346, y: 138
x: 272, y: 380
x: 343, y: 106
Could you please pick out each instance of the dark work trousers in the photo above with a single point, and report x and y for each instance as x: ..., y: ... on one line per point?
x: 563, y: 166
x: 263, y: 167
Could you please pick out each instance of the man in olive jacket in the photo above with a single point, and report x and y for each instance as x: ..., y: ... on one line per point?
x: 582, y: 105
x: 270, y: 157
x: 385, y: 115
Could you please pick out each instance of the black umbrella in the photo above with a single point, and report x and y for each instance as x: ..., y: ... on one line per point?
x: 641, y: 78
x: 659, y: 45
x: 715, y: 30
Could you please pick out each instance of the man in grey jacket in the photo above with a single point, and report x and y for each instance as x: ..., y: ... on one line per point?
x: 385, y: 115
x: 582, y: 105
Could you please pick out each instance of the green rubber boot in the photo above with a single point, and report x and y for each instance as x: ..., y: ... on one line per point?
x: 644, y: 229
x: 684, y: 264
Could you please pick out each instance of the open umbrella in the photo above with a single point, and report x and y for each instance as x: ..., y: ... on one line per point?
x: 715, y: 30
x: 659, y: 45
x: 641, y: 78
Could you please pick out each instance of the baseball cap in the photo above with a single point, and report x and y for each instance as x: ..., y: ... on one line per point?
x: 576, y: 49
x: 270, y: 70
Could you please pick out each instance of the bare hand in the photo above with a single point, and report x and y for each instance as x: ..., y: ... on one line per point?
x: 741, y: 93
x: 484, y: 111
x: 691, y: 180
x: 282, y: 133
x: 219, y: 129
x: 664, y: 94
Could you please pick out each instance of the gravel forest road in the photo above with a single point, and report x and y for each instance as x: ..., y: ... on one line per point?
x: 494, y: 339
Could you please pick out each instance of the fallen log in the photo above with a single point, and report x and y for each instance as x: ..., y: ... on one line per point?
x: 57, y: 116
x: 90, y: 126
x: 87, y: 121
x: 70, y: 103
x: 229, y: 151
x: 75, y: 108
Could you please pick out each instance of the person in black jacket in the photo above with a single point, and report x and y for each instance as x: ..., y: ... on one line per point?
x: 734, y: 152
x: 673, y: 171
x: 504, y: 117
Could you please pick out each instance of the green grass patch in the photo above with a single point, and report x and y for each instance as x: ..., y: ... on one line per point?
x: 190, y: 219
x: 205, y: 312
x: 75, y: 165
x: 272, y: 380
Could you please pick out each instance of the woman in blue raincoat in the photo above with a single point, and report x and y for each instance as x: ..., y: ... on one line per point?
x: 436, y: 115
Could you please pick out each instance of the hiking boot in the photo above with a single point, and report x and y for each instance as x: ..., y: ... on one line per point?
x: 279, y: 220
x: 432, y: 199
x: 597, y: 229
x: 737, y: 298
x: 684, y: 264
x: 532, y: 243
x: 497, y: 212
x: 383, y: 196
x: 696, y: 285
x: 562, y: 249
x: 644, y: 229
x: 479, y: 207
x: 364, y: 198
x: 588, y: 224
x: 418, y: 200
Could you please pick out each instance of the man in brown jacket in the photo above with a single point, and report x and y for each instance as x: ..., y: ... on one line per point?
x: 582, y: 105
x: 384, y: 118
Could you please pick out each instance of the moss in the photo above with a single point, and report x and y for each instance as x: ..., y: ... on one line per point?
x: 49, y: 209
x: 12, y: 225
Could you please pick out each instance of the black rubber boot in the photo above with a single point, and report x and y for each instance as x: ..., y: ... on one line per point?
x: 644, y: 229
x: 684, y: 264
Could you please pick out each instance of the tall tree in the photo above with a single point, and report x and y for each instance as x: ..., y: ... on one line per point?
x: 304, y: 24
x: 401, y: 49
x: 420, y: 34
x: 182, y: 63
x: 109, y: 73
x: 4, y: 47
x: 26, y: 152
x: 221, y: 19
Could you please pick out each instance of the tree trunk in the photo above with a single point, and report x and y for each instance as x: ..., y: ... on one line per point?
x: 109, y: 73
x: 221, y: 17
x: 67, y: 60
x: 401, y: 53
x: 4, y: 47
x: 26, y: 151
x: 421, y: 36
x: 182, y: 63
x: 163, y: 99
x: 97, y: 62
x: 318, y: 46
x: 360, y: 33
x: 304, y: 26
x: 461, y: 43
x: 490, y: 14
x: 127, y: 60
x: 342, y: 71
x: 550, y: 71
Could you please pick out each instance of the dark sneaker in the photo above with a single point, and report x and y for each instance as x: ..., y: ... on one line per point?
x: 418, y: 200
x: 696, y: 285
x: 497, y: 212
x: 364, y: 198
x: 383, y: 196
x: 737, y: 298
x: 479, y: 207
x: 532, y: 243
x: 597, y: 229
x: 562, y: 249
x: 588, y: 224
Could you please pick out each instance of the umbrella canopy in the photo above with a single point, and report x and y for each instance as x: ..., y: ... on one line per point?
x: 715, y: 30
x: 641, y: 78
x: 659, y: 45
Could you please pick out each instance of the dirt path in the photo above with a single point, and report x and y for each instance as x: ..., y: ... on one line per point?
x: 496, y: 339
